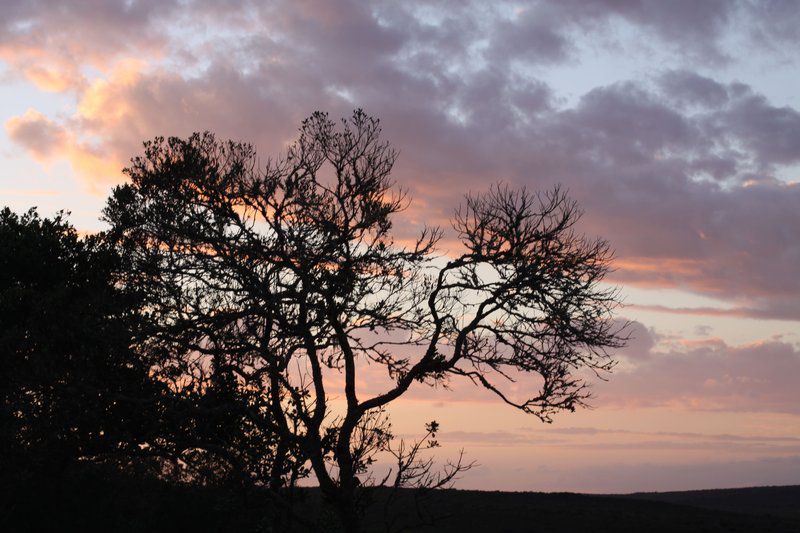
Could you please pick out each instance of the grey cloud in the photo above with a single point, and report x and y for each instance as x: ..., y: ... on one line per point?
x: 776, y: 22
x: 548, y: 31
x: 688, y: 436
x: 620, y: 439
x: 625, y: 154
x: 691, y: 88
x: 772, y: 133
x: 640, y: 341
x: 537, y: 36
x: 498, y: 438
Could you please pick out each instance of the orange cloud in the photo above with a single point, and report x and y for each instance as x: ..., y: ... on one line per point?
x: 660, y: 265
x: 51, y: 79
x: 99, y: 110
x: 101, y: 102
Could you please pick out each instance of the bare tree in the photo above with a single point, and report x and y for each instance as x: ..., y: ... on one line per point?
x: 282, y: 282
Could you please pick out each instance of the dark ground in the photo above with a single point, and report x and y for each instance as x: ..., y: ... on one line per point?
x: 776, y: 501
x: 91, y: 502
x: 769, y: 509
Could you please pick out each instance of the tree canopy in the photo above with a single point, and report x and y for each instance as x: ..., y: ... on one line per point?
x: 69, y: 377
x: 271, y: 287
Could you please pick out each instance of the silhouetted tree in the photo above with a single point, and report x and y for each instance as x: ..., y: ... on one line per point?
x: 281, y: 283
x: 78, y: 406
x: 71, y: 388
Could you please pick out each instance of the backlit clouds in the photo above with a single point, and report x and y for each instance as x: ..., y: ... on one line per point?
x: 669, y: 122
x: 690, y: 177
x: 682, y: 374
x: 680, y: 171
x: 52, y: 43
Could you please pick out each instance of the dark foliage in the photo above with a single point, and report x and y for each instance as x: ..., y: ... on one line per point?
x: 81, y: 414
x: 95, y: 498
x: 71, y: 388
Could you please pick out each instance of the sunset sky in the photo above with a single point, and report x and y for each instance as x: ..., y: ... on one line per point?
x: 675, y: 125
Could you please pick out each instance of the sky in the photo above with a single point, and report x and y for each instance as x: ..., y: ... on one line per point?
x: 675, y: 125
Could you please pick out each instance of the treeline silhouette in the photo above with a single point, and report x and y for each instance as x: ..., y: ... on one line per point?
x: 77, y: 402
x: 192, y: 345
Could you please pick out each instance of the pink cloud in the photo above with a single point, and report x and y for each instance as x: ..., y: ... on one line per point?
x: 51, y: 42
x: 739, y: 312
x: 42, y: 137
x: 708, y: 374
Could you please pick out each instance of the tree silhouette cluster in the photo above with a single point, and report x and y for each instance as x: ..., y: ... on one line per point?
x: 65, y: 342
x: 224, y: 320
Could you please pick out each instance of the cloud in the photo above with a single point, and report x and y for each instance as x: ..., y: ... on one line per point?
x: 51, y: 42
x: 772, y: 133
x: 687, y: 87
x: 498, y: 438
x: 654, y: 371
x: 620, y: 439
x: 642, y: 476
x: 42, y: 137
x: 679, y: 172
x: 769, y: 313
x: 641, y: 340
x: 608, y: 460
x: 709, y: 375
x: 693, y: 436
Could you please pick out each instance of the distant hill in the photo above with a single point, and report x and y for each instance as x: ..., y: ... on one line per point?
x: 768, y: 509
x: 777, y: 501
